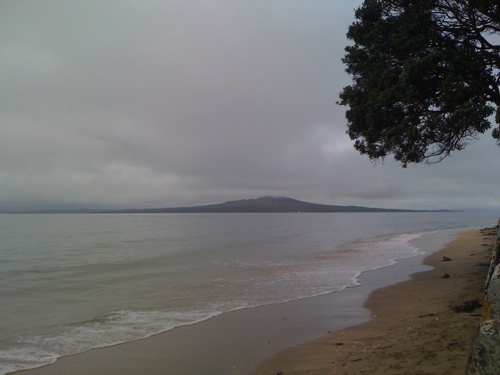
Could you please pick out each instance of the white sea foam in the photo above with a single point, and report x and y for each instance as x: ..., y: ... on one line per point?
x: 24, y: 358
x: 112, y: 329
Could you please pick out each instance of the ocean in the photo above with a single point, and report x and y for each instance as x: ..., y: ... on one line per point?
x: 73, y: 282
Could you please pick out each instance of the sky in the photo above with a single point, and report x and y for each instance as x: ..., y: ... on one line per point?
x: 123, y: 103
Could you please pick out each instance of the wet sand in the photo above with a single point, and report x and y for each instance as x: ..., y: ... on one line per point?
x: 415, y: 329
x: 236, y: 342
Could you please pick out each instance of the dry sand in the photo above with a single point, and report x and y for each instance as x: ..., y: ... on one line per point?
x: 415, y: 329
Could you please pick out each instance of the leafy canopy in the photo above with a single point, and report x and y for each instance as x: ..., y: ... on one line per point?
x: 425, y: 77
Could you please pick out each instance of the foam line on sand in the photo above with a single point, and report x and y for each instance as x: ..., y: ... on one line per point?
x: 421, y: 326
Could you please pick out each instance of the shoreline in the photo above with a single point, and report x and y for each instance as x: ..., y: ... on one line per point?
x: 414, y: 327
x: 236, y: 342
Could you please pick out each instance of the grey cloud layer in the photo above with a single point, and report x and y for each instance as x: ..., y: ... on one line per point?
x: 183, y: 102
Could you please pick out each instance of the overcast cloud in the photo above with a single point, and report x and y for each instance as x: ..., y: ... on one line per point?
x: 169, y: 103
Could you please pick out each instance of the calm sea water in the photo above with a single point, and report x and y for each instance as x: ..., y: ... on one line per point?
x: 69, y: 283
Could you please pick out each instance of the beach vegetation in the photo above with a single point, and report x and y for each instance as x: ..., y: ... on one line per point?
x: 425, y: 77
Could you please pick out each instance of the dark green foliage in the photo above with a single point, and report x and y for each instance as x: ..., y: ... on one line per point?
x: 425, y: 77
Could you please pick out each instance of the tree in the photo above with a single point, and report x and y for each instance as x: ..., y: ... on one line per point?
x: 425, y: 77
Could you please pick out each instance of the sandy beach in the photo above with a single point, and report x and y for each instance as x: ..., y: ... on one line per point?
x: 422, y: 326
x: 407, y: 327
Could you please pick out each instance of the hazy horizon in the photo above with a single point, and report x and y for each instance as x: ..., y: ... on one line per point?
x: 108, y: 208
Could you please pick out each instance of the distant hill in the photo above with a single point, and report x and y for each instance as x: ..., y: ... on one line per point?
x: 263, y: 204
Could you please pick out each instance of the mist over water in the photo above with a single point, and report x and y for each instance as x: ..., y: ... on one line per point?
x: 70, y: 283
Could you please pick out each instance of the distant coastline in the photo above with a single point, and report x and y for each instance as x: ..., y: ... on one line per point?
x: 266, y: 204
